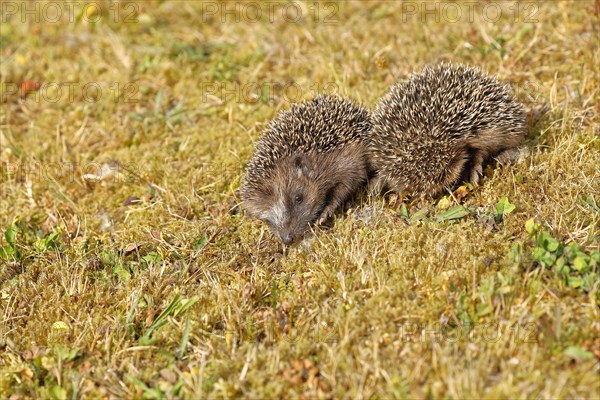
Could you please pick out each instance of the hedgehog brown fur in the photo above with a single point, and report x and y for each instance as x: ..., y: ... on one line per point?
x: 309, y: 160
x: 442, y: 126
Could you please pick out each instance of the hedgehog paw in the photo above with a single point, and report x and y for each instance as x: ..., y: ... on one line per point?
x: 476, y: 173
x: 324, y: 217
x: 375, y: 186
x: 477, y: 169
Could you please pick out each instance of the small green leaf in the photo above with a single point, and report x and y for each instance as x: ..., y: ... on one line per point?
x: 50, y: 240
x: 504, y: 207
x: 420, y: 215
x: 11, y: 236
x: 7, y: 253
x: 150, y: 259
x: 560, y: 265
x: 547, y: 242
x: 578, y: 353
x: 531, y: 227
x: 47, y: 243
x: 580, y: 264
x: 552, y: 244
x: 544, y: 257
x: 108, y: 258
x: 548, y: 259
x: 484, y: 309
x: 403, y: 211
x: 200, y: 242
x: 147, y: 340
x: 444, y: 203
x: 574, y: 281
x: 453, y: 213
x: 574, y: 247
x: 57, y: 393
x: 589, y: 281
x: 519, y: 178
x: 122, y: 272
x: 65, y: 353
x: 538, y: 254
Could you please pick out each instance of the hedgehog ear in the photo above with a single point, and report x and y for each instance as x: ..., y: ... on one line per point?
x: 302, y: 165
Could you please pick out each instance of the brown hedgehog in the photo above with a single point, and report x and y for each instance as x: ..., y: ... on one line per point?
x: 309, y: 160
x: 441, y: 127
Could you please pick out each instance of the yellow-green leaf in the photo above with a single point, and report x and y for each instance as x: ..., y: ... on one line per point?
x: 453, y: 213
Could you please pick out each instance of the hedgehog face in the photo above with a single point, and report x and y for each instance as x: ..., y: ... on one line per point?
x: 289, y: 192
x: 290, y: 200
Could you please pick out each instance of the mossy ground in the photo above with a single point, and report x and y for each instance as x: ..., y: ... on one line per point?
x: 138, y: 183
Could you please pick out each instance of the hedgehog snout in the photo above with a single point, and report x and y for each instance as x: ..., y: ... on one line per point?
x: 288, y: 238
x: 290, y: 231
x: 287, y: 234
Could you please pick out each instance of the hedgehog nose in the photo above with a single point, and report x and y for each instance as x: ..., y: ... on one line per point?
x: 287, y: 239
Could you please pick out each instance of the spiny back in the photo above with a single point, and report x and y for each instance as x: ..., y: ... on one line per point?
x: 448, y: 101
x: 322, y: 124
x: 422, y: 127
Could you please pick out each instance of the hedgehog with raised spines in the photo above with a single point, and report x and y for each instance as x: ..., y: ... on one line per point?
x: 309, y: 160
x: 441, y: 127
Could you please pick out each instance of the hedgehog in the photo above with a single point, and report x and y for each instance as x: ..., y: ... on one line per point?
x: 309, y: 160
x: 442, y: 127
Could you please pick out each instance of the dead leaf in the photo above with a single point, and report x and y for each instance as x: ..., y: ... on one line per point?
x: 28, y: 86
x: 131, y: 247
x: 168, y: 375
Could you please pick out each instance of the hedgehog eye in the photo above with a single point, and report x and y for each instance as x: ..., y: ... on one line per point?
x: 298, y: 199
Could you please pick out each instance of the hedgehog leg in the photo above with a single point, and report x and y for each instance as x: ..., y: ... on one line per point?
x: 328, y: 211
x: 323, y: 217
x: 375, y: 186
x: 477, y: 169
x: 338, y: 195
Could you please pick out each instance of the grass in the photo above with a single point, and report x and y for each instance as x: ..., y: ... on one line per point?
x: 128, y: 269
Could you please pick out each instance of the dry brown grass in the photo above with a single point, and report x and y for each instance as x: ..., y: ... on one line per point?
x: 377, y: 305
